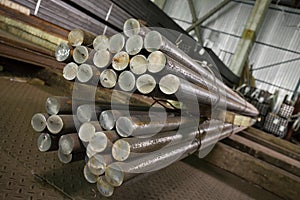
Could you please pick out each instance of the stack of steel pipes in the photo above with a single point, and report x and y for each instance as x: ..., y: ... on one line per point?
x: 119, y: 141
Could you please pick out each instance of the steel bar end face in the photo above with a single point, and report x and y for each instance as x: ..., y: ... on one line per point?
x: 80, y: 54
x: 102, y: 58
x: 120, y: 61
x: 131, y: 27
x: 126, y: 81
x: 62, y: 52
x: 76, y: 37
x: 124, y: 126
x: 114, y: 175
x: 116, y: 43
x: 153, y: 41
x: 70, y: 71
x: 101, y: 42
x: 99, y: 142
x: 85, y: 73
x: 39, y: 122
x: 108, y: 78
x: 104, y: 187
x: 138, y: 64
x: 66, y: 144
x: 169, y: 84
x: 55, y: 124
x: 86, y: 132
x: 97, y: 164
x: 91, y: 178
x: 107, y: 120
x: 157, y: 61
x: 64, y: 158
x: 121, y: 150
x: 145, y: 83
x: 44, y: 142
x: 52, y: 105
x: 134, y: 44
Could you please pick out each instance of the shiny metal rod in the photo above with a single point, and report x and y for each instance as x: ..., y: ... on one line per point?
x: 39, y: 121
x: 138, y: 64
x: 103, y: 141
x: 88, y: 74
x: 120, y: 61
x: 101, y: 42
x: 131, y: 27
x: 118, y: 172
x: 116, y: 43
x: 98, y: 163
x: 58, y: 105
x: 104, y: 187
x: 88, y: 112
x: 173, y: 85
x: 79, y: 37
x: 145, y: 83
x: 70, y: 71
x: 64, y: 52
x: 70, y: 143
x: 128, y: 148
x: 102, y: 58
x: 60, y: 124
x: 81, y: 54
x: 144, y: 126
x: 126, y: 81
x: 89, y: 176
x: 88, y: 129
x: 47, y: 142
x: 134, y: 44
x: 68, y: 158
x: 108, y: 78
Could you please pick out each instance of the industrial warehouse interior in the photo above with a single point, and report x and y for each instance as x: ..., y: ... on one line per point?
x: 150, y: 99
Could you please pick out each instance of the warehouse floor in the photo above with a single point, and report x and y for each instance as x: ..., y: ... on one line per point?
x: 26, y: 173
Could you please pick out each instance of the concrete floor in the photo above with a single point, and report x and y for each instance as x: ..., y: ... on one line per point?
x: 26, y: 173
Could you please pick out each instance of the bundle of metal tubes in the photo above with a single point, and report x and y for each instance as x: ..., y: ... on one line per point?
x: 119, y: 144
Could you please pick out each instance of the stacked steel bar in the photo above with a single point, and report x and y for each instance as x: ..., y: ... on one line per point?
x: 121, y: 142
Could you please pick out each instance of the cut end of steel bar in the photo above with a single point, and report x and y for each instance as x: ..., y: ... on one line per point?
x: 126, y: 81
x: 62, y: 52
x: 153, y: 41
x: 44, y: 142
x: 39, y: 122
x: 99, y: 142
x: 70, y: 71
x: 157, y: 61
x: 138, y: 64
x: 91, y: 178
x: 86, y: 132
x: 85, y: 73
x: 169, y: 84
x: 80, y: 54
x: 64, y: 158
x: 124, y: 126
x: 107, y: 120
x: 121, y: 150
x: 86, y: 113
x: 120, y: 61
x: 116, y: 43
x: 55, y: 124
x: 131, y: 27
x: 101, y: 42
x: 108, y: 78
x: 114, y: 175
x: 66, y: 144
x: 52, y: 105
x: 102, y: 58
x: 104, y: 187
x: 76, y: 37
x: 97, y: 164
x: 145, y: 83
x: 134, y: 44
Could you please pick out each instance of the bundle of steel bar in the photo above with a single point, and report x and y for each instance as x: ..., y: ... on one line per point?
x: 121, y: 141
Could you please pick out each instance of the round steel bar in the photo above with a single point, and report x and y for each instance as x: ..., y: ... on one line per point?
x: 79, y: 37
x: 108, y: 78
x: 98, y: 163
x: 156, y: 61
x: 116, y: 43
x: 131, y: 27
x: 46, y: 142
x: 134, y: 44
x: 70, y: 143
x: 70, y: 71
x: 101, y: 42
x: 120, y: 61
x: 102, y: 58
x: 88, y: 129
x: 138, y: 64
x: 39, y: 121
x: 64, y: 52
x: 88, y: 112
x: 87, y: 74
x: 60, y: 124
x: 104, y: 187
x: 91, y: 178
x: 126, y: 81
x: 145, y: 84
